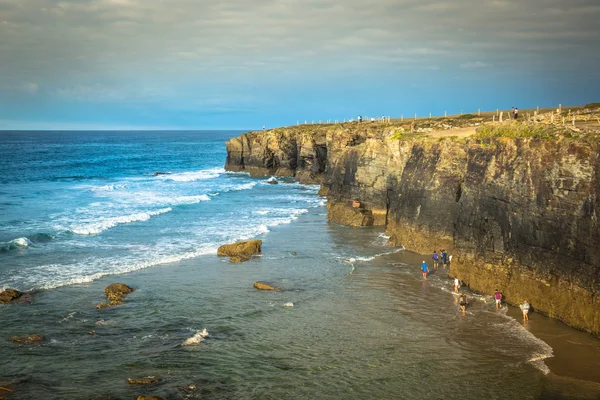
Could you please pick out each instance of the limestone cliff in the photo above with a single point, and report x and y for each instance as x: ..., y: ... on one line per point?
x: 518, y: 214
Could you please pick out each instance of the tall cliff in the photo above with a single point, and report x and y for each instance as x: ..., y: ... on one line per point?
x: 518, y: 214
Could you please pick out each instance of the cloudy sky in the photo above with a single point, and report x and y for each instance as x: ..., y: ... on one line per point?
x: 242, y: 64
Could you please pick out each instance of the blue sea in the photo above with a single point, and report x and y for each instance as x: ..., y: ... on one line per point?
x: 354, y: 319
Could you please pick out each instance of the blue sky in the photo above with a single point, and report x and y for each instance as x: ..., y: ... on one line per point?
x: 242, y: 64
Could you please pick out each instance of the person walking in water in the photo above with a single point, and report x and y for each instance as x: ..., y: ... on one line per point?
x: 424, y: 269
x: 525, y: 309
x: 498, y: 297
x: 436, y: 259
x: 463, y: 302
x: 444, y: 258
x: 456, y: 284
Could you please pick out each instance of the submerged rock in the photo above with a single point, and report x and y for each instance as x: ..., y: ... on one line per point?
x: 147, y: 380
x: 27, y: 339
x: 273, y: 182
x: 265, y: 286
x: 115, y: 293
x: 150, y: 398
x: 9, y: 295
x: 240, y: 251
x: 161, y: 173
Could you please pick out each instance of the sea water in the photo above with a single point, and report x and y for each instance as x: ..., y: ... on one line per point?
x: 354, y: 319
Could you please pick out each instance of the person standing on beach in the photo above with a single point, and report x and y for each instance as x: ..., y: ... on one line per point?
x: 463, y: 302
x: 424, y: 269
x: 436, y: 259
x: 498, y: 297
x: 456, y: 284
x: 525, y: 309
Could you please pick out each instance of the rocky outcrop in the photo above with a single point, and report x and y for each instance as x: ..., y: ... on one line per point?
x: 266, y: 286
x: 518, y: 211
x: 147, y: 380
x: 240, y: 251
x: 115, y: 293
x: 30, y: 339
x: 9, y: 295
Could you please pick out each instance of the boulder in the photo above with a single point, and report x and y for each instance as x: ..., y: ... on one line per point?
x: 9, y: 295
x: 273, y: 182
x: 117, y: 291
x: 147, y: 380
x: 27, y: 339
x: 241, y: 249
x: 265, y: 286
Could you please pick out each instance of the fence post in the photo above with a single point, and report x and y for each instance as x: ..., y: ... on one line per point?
x: 479, y: 112
x: 497, y: 112
x: 304, y: 122
x: 493, y: 118
x: 402, y: 118
x: 501, y: 115
x: 313, y: 122
x: 552, y: 118
x: 573, y: 120
x: 429, y: 115
x: 563, y: 120
x: 560, y: 108
x: 297, y: 123
x: 537, y: 109
x: 415, y: 116
x: 444, y: 114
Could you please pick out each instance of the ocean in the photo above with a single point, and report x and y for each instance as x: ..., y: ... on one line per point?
x: 354, y: 319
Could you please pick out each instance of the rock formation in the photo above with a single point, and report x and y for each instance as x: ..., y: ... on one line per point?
x: 30, y: 339
x: 115, y: 293
x: 265, y: 286
x: 147, y: 380
x: 240, y: 251
x: 9, y: 295
x: 516, y: 204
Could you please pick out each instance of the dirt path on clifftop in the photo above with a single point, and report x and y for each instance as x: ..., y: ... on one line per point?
x: 458, y: 132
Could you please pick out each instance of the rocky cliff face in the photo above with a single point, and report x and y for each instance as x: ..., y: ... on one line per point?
x: 520, y: 215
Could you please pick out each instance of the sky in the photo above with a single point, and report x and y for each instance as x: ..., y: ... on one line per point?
x: 244, y: 64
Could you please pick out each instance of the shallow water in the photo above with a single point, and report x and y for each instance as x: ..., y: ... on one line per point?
x: 363, y: 324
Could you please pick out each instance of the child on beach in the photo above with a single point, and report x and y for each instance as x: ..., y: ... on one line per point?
x: 463, y: 302
x: 424, y: 269
x: 498, y: 297
x: 456, y: 284
x: 525, y: 309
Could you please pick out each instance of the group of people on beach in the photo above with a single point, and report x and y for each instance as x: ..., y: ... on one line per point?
x: 444, y: 259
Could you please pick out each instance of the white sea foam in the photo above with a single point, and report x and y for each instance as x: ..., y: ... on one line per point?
x: 105, y: 223
x: 193, y: 175
x: 196, y: 339
x: 21, y: 242
x: 289, y: 304
x: 108, y: 188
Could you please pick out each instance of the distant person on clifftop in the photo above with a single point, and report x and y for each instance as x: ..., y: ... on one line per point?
x: 436, y: 259
x: 525, y: 308
x: 424, y: 269
x: 359, y: 119
x: 498, y: 297
x: 456, y: 284
x: 463, y: 302
x: 516, y: 113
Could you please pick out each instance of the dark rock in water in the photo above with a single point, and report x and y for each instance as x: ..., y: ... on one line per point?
x: 148, y: 380
x: 265, y: 286
x: 161, y: 173
x: 240, y: 251
x: 150, y: 398
x: 273, y: 182
x: 102, y: 305
x: 116, y: 292
x: 9, y: 295
x: 27, y: 339
x: 293, y: 253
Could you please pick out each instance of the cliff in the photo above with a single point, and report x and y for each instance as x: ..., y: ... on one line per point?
x: 516, y: 204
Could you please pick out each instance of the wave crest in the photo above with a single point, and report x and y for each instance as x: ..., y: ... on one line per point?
x: 107, y: 223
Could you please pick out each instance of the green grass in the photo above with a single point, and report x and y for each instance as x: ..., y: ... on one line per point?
x: 521, y: 130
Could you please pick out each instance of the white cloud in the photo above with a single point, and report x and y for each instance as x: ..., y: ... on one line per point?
x: 475, y: 64
x: 30, y: 87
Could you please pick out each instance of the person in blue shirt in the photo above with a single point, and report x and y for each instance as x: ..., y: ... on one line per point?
x: 444, y: 258
x: 424, y: 269
x: 436, y: 259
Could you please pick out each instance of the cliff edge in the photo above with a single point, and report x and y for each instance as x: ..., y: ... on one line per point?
x: 515, y: 203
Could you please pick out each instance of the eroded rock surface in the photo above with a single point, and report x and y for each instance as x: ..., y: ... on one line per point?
x: 115, y: 293
x: 9, y: 295
x: 265, y: 286
x: 30, y: 339
x: 240, y: 251
x: 517, y: 213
